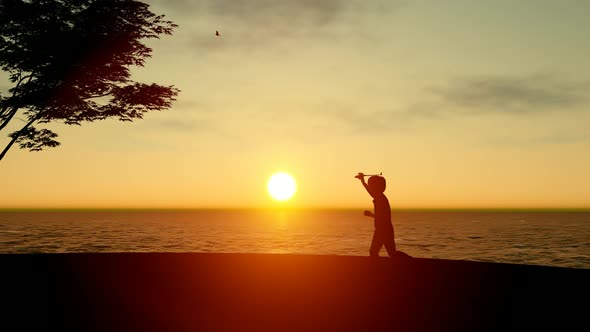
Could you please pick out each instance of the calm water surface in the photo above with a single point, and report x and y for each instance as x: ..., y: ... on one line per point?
x: 542, y: 238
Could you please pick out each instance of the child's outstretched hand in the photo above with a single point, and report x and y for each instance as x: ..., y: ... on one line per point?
x: 360, y: 176
x: 368, y: 213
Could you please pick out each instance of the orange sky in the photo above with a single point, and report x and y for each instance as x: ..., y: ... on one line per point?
x: 460, y: 104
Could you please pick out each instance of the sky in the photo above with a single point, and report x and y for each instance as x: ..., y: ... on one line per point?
x: 461, y: 104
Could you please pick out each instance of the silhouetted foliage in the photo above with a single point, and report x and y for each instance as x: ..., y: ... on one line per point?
x: 69, y: 60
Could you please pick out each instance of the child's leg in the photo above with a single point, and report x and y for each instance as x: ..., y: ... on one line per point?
x: 389, y: 241
x: 376, y: 245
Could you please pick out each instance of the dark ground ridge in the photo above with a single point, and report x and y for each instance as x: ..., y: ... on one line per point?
x: 285, y: 292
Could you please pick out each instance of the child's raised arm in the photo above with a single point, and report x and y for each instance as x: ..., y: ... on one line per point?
x: 361, y: 177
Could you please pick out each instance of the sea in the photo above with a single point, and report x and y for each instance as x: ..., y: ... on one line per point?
x: 553, y: 238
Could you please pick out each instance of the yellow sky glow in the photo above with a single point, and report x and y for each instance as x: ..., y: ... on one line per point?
x: 460, y: 105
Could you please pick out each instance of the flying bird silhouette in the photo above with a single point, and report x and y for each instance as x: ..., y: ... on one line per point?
x: 217, y: 33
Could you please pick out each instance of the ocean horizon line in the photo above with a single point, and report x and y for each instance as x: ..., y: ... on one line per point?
x: 327, y: 208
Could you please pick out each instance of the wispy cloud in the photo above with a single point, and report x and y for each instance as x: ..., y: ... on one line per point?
x: 561, y: 138
x: 258, y: 13
x: 248, y: 25
x: 180, y: 125
x: 192, y: 118
x: 264, y: 12
x: 192, y: 126
x: 556, y: 138
x: 510, y: 96
x: 527, y: 94
x: 337, y: 117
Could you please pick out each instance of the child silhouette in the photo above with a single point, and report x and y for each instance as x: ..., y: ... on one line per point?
x: 383, y: 235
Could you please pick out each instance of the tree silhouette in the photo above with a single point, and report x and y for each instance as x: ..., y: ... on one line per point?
x: 68, y: 61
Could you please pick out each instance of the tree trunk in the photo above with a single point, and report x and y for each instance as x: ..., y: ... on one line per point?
x: 18, y: 135
x: 8, y: 118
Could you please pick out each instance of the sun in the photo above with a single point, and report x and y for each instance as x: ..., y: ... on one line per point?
x: 281, y: 186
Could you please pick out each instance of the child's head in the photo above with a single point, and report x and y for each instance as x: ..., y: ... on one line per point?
x: 376, y: 184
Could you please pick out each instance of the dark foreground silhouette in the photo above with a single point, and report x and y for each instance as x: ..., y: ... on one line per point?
x: 383, y: 234
x: 258, y: 292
